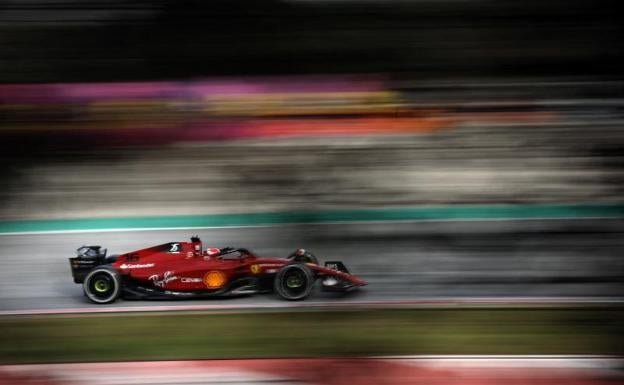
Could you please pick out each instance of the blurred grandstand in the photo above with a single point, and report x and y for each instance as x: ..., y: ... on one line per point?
x: 305, y: 142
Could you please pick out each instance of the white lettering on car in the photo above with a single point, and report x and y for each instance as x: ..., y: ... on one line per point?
x: 190, y: 280
x: 167, y: 277
x: 136, y: 265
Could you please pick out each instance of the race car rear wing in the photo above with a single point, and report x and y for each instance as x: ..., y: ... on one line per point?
x: 87, y: 258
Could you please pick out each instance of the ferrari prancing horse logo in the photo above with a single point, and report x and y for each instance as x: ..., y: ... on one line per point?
x: 255, y: 269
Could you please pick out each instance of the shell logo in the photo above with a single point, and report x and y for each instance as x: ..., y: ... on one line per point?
x: 214, y: 279
x: 255, y: 269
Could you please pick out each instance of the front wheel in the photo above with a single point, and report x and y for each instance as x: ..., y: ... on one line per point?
x: 102, y: 285
x: 294, y: 282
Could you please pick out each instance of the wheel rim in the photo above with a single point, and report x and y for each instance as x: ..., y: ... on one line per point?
x: 294, y: 281
x: 100, y: 286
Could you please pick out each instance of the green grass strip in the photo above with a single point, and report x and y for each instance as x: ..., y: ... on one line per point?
x: 173, y: 336
x: 455, y: 212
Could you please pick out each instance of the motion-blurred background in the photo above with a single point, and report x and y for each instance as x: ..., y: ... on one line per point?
x: 458, y: 148
x: 180, y: 107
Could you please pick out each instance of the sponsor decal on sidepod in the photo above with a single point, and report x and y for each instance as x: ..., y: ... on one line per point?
x: 167, y: 277
x: 190, y: 280
x: 136, y: 265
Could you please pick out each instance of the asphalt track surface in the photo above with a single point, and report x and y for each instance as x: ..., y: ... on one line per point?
x: 410, y: 261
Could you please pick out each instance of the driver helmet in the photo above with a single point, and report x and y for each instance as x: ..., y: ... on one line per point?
x: 302, y: 255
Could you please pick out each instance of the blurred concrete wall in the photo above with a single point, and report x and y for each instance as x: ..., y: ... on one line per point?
x: 488, y: 164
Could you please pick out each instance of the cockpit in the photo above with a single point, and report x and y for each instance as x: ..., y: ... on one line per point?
x: 304, y: 256
x: 229, y: 253
x: 226, y: 253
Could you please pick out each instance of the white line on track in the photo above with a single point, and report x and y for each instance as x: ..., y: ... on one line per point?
x: 450, y: 360
x: 514, y: 361
x: 302, y: 306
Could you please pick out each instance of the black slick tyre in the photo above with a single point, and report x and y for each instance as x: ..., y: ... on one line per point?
x: 294, y: 282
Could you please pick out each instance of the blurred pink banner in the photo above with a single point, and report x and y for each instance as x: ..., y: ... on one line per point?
x: 89, y: 92
x: 434, y: 370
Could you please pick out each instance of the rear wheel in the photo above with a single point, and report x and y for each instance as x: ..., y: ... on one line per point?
x: 294, y: 282
x: 102, y: 285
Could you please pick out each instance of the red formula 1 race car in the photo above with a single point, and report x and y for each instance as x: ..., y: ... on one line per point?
x: 186, y: 270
